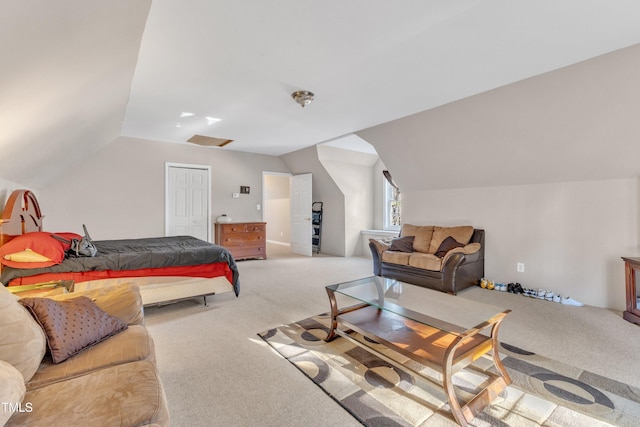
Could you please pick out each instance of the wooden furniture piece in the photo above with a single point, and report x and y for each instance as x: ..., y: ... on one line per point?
x: 434, y: 329
x: 632, y: 279
x: 21, y: 215
x: 243, y: 239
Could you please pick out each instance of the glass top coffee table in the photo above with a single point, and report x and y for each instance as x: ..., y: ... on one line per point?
x: 432, y: 328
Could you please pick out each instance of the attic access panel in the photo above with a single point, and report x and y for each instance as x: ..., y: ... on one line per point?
x: 209, y: 141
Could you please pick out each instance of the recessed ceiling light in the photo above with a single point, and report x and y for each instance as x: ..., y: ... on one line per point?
x: 212, y: 120
x: 185, y: 114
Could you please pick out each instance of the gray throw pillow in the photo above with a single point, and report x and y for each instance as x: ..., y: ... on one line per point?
x: 72, y: 325
x: 446, y: 245
x: 402, y: 244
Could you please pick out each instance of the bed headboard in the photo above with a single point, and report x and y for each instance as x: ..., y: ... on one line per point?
x: 21, y: 215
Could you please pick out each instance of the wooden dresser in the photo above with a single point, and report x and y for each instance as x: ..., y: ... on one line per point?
x: 243, y: 239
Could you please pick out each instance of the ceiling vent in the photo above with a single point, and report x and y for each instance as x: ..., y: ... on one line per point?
x: 209, y: 141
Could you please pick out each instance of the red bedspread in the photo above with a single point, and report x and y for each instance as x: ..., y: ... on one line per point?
x: 204, y: 270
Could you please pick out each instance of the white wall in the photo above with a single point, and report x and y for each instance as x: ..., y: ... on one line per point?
x: 324, y: 190
x: 120, y: 192
x: 570, y: 236
x: 352, y: 171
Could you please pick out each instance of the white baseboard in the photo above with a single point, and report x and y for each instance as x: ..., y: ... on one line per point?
x: 275, y: 242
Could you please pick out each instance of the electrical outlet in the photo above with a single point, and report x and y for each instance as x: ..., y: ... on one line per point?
x: 520, y: 267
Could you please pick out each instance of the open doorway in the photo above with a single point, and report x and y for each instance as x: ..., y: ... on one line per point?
x: 287, y: 205
x: 276, y: 207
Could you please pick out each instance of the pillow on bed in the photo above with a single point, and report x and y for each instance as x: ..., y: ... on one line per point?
x: 34, y: 250
x: 72, y: 325
x: 26, y: 256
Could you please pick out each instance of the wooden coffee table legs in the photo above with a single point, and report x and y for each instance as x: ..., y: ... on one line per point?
x: 494, y: 385
x: 446, y: 352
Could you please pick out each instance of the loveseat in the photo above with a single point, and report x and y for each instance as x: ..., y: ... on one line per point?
x: 446, y: 259
x: 111, y: 382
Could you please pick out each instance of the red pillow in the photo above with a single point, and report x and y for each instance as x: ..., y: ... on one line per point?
x: 39, y: 242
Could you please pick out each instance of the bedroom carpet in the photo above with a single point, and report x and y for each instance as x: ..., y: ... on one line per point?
x: 543, y: 391
x: 218, y: 372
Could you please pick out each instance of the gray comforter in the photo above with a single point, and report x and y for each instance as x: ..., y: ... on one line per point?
x: 134, y: 254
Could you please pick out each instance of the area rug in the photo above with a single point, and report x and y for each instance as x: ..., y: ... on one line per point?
x: 543, y: 392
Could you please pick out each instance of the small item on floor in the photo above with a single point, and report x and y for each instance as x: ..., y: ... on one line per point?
x: 571, y: 301
x: 515, y: 288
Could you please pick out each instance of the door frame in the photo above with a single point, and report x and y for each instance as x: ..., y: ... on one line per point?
x: 167, y: 188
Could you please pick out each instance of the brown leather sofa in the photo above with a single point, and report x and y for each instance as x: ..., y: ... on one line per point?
x: 113, y: 382
x: 423, y: 255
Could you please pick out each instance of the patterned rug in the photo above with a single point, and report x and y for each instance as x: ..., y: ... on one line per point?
x: 543, y: 392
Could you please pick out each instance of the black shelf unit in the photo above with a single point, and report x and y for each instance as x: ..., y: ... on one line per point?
x: 316, y: 224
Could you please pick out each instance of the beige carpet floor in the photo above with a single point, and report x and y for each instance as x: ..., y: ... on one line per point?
x: 218, y: 372
x: 542, y: 392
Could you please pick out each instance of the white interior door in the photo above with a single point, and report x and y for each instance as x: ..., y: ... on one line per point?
x: 301, y: 214
x: 187, y: 201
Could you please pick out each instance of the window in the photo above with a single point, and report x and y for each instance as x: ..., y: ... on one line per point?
x: 392, y: 219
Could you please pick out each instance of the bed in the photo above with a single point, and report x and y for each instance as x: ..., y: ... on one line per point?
x: 167, y: 269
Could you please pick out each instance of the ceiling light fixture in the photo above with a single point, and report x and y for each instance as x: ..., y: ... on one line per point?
x: 303, y: 97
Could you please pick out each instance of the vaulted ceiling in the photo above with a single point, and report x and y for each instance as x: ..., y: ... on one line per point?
x: 77, y: 74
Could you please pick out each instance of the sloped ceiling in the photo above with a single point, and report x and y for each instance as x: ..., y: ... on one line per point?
x: 77, y: 74
x: 578, y: 123
x: 66, y: 70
